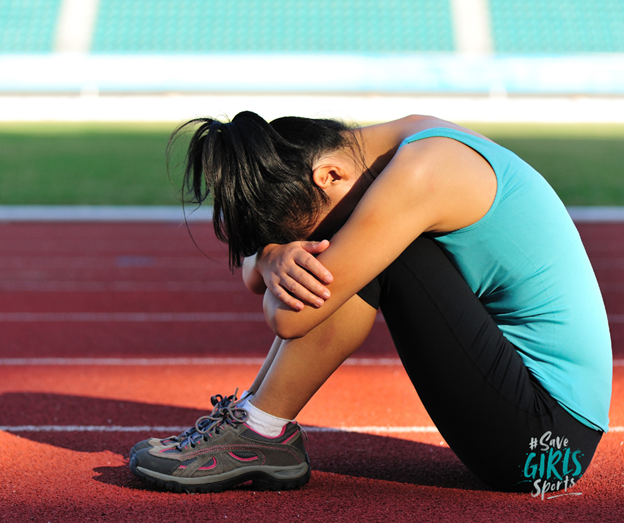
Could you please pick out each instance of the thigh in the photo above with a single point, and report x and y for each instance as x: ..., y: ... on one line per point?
x: 470, y: 378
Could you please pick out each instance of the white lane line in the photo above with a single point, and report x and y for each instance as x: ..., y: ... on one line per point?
x: 103, y: 213
x: 130, y: 316
x: 159, y: 286
x: 71, y: 264
x: 141, y: 317
x: 602, y: 214
x: 128, y: 213
x: 121, y: 286
x: 159, y: 317
x: 155, y: 362
x: 177, y: 429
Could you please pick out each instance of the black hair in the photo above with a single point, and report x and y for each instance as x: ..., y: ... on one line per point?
x: 259, y: 175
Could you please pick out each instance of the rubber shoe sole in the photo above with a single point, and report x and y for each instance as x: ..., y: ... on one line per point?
x: 262, y: 478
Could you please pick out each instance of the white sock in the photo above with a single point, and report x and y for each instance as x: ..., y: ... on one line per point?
x: 264, y: 423
x: 246, y: 396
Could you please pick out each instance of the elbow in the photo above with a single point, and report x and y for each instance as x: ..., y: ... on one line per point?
x: 285, y: 323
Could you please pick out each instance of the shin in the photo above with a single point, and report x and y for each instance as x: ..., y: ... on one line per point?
x: 298, y: 367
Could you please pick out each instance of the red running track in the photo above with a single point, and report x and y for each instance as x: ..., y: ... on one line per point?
x: 89, y: 311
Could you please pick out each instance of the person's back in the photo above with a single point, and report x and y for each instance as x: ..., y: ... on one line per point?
x: 526, y: 263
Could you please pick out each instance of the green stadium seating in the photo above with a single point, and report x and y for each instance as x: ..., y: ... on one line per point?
x: 200, y: 26
x: 557, y: 26
x: 519, y: 27
x: 28, y: 26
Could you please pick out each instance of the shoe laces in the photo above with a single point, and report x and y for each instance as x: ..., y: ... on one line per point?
x: 217, y: 401
x: 225, y: 412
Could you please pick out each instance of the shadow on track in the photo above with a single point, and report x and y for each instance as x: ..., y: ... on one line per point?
x: 23, y: 408
x: 345, y: 453
x: 362, y: 456
x: 389, y: 459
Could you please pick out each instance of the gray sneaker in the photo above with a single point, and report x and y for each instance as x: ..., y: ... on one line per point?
x: 225, y: 454
x: 218, y: 401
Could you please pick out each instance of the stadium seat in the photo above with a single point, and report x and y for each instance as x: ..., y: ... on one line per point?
x: 557, y: 26
x: 28, y: 26
x: 188, y: 26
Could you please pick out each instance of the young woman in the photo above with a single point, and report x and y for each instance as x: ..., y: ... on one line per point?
x: 480, y: 274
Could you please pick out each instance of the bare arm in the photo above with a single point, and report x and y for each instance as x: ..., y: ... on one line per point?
x: 290, y: 272
x: 303, y: 278
x: 435, y: 184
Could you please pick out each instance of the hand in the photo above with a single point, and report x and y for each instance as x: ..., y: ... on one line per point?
x: 293, y: 274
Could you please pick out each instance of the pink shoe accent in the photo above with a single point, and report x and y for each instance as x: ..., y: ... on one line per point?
x: 254, y: 458
x: 291, y: 437
x: 214, y: 464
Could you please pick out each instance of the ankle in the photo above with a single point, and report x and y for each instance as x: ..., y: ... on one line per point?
x: 263, y: 422
x: 245, y: 397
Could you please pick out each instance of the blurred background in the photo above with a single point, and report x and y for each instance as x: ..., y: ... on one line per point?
x: 91, y: 89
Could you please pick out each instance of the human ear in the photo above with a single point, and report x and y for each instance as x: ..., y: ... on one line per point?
x: 322, y: 176
x: 326, y: 174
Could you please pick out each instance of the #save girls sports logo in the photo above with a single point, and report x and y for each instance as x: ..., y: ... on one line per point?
x: 552, y: 466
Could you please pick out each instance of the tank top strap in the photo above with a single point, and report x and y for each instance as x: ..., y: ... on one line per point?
x: 494, y: 154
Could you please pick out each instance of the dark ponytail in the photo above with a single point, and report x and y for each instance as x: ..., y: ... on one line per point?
x: 259, y: 175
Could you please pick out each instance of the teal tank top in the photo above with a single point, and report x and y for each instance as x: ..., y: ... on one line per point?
x: 526, y: 263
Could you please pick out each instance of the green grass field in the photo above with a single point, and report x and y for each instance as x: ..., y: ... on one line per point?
x: 124, y: 164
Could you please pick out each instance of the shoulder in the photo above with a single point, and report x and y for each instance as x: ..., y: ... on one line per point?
x: 434, y: 157
x: 395, y: 131
x: 436, y: 151
x: 454, y: 182
x: 380, y: 142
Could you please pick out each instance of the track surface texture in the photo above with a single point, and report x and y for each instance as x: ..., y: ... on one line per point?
x: 110, y: 331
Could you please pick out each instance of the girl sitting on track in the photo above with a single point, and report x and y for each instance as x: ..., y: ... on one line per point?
x: 477, y: 267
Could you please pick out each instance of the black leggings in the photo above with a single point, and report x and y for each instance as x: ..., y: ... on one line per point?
x: 502, y: 424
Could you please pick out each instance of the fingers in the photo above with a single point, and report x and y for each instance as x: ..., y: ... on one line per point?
x: 311, y: 264
x: 281, y: 294
x: 293, y: 274
x: 299, y: 288
x: 296, y: 295
x: 305, y: 286
x: 315, y: 247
